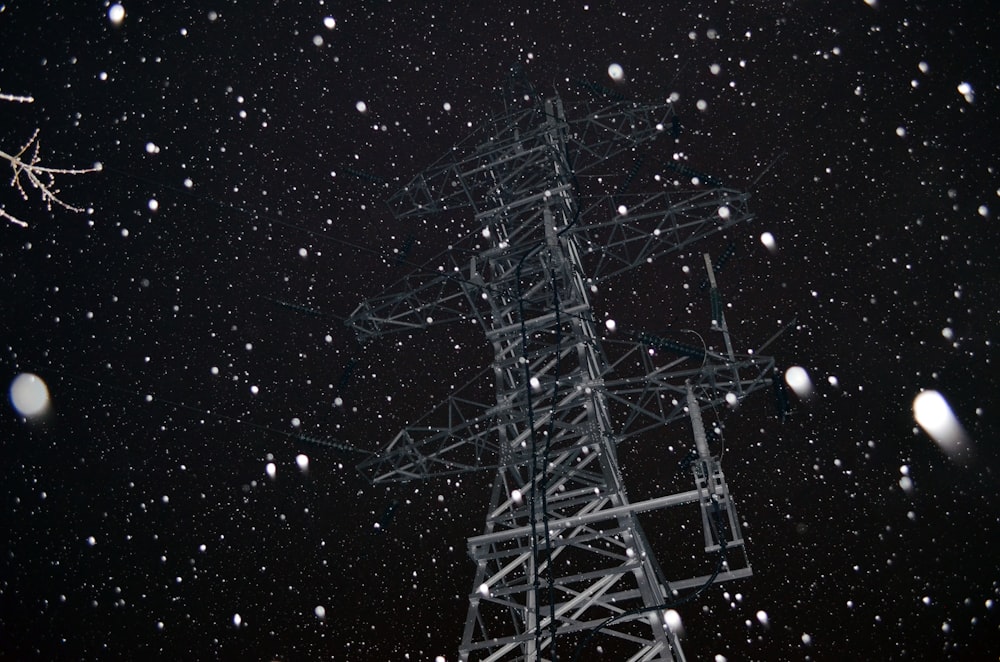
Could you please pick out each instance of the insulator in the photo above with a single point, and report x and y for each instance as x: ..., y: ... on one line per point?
x: 404, y: 252
x: 345, y: 376
x: 725, y: 256
x: 671, y: 346
x: 716, y: 299
x: 780, y: 395
x: 299, y: 308
x: 329, y: 443
x: 364, y: 176
x: 600, y: 90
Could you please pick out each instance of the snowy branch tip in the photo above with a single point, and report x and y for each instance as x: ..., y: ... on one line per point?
x: 26, y: 166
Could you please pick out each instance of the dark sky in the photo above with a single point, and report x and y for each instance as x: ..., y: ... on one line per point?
x: 139, y: 527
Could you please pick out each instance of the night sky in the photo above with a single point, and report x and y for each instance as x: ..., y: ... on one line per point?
x: 189, y: 326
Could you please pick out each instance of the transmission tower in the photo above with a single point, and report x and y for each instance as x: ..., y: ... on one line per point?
x: 563, y: 565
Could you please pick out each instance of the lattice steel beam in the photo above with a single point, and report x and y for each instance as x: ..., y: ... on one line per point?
x: 563, y: 556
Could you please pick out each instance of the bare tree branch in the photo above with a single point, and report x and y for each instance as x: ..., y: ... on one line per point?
x: 25, y: 165
x: 16, y: 98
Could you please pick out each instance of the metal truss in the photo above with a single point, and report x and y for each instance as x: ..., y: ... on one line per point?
x: 563, y: 564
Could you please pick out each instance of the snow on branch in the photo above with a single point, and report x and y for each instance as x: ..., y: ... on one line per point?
x: 16, y: 98
x: 25, y: 164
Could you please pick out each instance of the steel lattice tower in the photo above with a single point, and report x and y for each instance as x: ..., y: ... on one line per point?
x: 563, y: 558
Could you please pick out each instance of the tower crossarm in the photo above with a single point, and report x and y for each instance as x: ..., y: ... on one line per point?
x: 466, y: 177
x: 457, y: 436
x: 602, y: 134
x: 434, y: 295
x: 645, y: 383
x: 624, y: 232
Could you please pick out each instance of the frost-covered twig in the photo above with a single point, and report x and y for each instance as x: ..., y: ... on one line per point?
x: 16, y: 98
x: 25, y: 165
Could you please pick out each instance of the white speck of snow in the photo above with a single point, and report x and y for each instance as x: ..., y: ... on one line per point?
x: 447, y: 107
x: 674, y: 622
x: 762, y: 617
x: 535, y: 384
x: 303, y: 252
x: 872, y: 3
x: 611, y: 325
x: 833, y: 381
x: 237, y: 620
x: 338, y: 401
x: 125, y: 232
x: 91, y: 540
x: 901, y: 131
x: 948, y: 333
x: 798, y: 380
x: 329, y: 22
x: 484, y: 590
x: 806, y: 638
x: 731, y: 399
x: 616, y: 72
x: 719, y: 657
x: 116, y: 14
x: 361, y: 106
x: 317, y: 40
x: 255, y: 389
x: 933, y: 413
x: 214, y: 370
x: 320, y: 612
x: 715, y: 69
x: 439, y: 658
x: 302, y: 461
x: 724, y: 212
x: 29, y: 394
x: 152, y: 148
x: 296, y: 422
x: 188, y: 182
x: 701, y: 104
x: 153, y: 204
x: 271, y: 470
x: 906, y: 484
x: 622, y: 210
x: 770, y: 244
x: 984, y: 211
x: 516, y: 497
x: 965, y: 89
x: 924, y: 67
